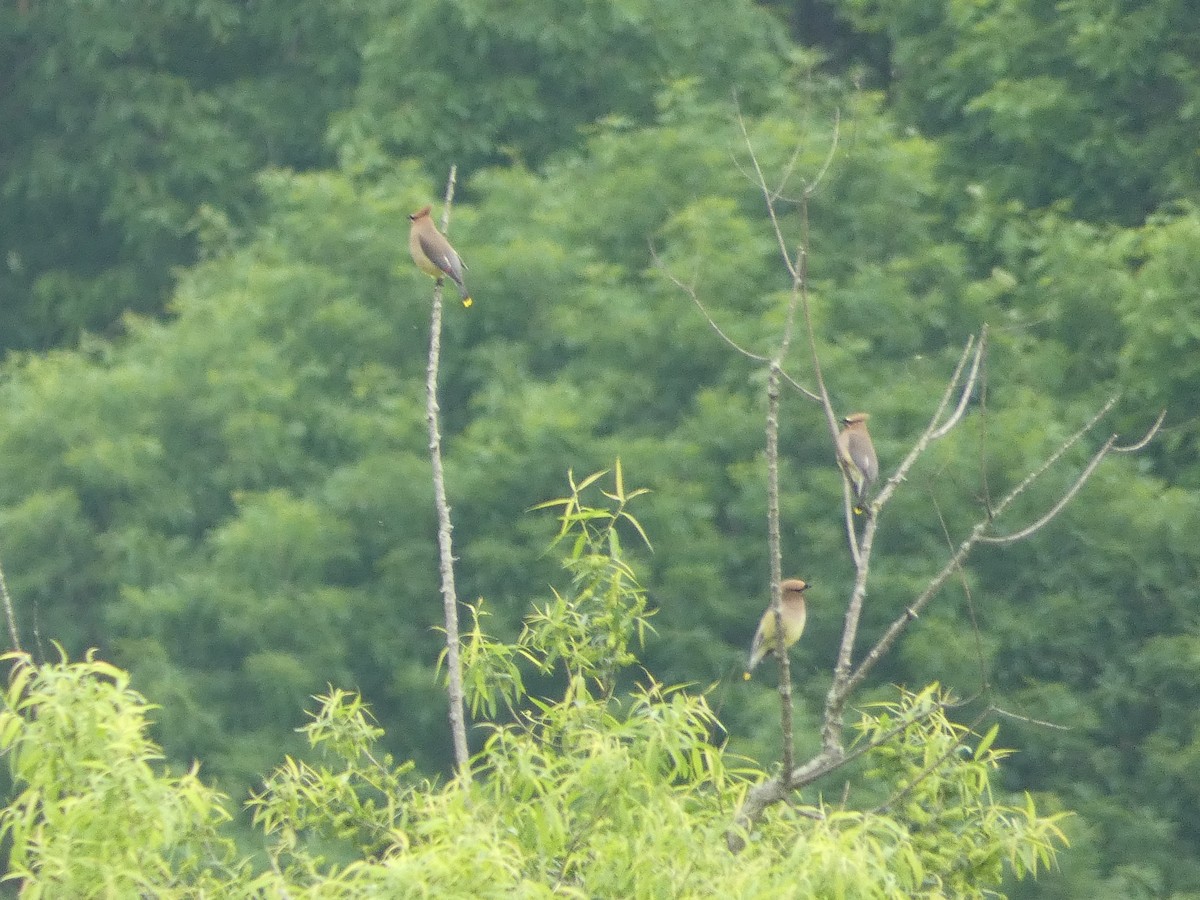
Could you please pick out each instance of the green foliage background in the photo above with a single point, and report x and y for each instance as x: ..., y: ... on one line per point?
x: 213, y: 462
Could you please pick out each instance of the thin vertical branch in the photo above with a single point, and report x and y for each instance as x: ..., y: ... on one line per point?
x: 797, y: 268
x: 826, y: 404
x: 774, y: 542
x: 984, y: 427
x: 774, y: 539
x: 9, y: 615
x: 458, y: 725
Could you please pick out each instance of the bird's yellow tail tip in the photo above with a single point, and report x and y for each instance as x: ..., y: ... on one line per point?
x: 858, y: 510
x: 467, y: 301
x: 745, y: 676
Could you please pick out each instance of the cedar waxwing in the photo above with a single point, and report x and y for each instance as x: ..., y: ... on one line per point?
x: 794, y: 615
x: 433, y: 254
x: 856, y: 454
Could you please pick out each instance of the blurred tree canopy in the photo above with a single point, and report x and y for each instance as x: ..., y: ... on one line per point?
x: 213, y: 458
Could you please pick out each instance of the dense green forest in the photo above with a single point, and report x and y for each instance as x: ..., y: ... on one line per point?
x: 214, y: 464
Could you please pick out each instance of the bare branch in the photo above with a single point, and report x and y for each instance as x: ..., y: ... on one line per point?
x: 1042, y: 723
x: 934, y: 431
x: 749, y: 354
x: 911, y: 612
x: 833, y: 146
x: 984, y: 424
x: 833, y: 754
x: 810, y: 189
x: 774, y: 543
x: 851, y: 531
x: 801, y: 277
x: 826, y: 403
x: 977, y: 533
x: 691, y: 292
x: 968, y: 388
x: 798, y: 386
x: 787, y: 173
x: 761, y: 181
x: 774, y: 540
x: 742, y: 170
x: 458, y: 728
x: 1057, y: 507
x: 776, y: 790
x: 9, y: 615
x: 843, y: 682
x: 1055, y: 456
x: 1133, y: 448
x: 776, y: 194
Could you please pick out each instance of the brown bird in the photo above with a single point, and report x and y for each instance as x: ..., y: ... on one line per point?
x: 856, y: 455
x: 794, y: 617
x: 433, y: 254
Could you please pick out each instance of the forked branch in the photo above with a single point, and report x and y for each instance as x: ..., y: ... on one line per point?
x: 948, y: 413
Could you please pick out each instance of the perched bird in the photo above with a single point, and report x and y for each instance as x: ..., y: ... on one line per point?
x: 856, y: 454
x: 433, y: 254
x: 794, y: 616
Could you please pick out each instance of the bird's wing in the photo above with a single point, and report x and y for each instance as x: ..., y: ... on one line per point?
x: 863, y: 455
x: 757, y: 646
x: 442, y: 255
